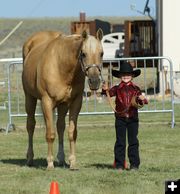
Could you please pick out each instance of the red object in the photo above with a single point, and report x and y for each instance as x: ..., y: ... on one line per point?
x: 54, y: 189
x: 124, y: 94
x: 125, y: 164
x: 114, y: 164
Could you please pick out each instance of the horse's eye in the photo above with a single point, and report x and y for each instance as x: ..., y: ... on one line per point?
x: 83, y: 55
x: 102, y: 54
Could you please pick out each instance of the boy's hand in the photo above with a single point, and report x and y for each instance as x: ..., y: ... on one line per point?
x: 141, y: 97
x: 105, y: 86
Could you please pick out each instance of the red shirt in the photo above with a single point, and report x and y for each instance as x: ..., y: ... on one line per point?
x: 124, y: 93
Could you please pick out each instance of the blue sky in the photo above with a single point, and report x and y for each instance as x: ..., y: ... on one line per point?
x: 68, y: 8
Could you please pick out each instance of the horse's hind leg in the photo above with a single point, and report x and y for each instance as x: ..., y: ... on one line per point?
x: 30, y: 105
x: 62, y: 111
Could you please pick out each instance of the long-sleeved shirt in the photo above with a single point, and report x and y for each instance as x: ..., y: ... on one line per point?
x: 123, y: 95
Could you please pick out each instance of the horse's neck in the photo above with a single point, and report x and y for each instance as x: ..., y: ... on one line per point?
x: 69, y: 64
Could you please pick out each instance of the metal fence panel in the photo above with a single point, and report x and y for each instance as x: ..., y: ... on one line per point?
x: 156, y: 82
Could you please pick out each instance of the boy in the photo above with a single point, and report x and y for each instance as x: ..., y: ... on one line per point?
x: 128, y: 99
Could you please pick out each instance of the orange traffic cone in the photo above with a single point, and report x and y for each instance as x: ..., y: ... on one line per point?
x: 54, y: 189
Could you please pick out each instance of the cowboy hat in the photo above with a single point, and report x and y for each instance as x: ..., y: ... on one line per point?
x: 126, y: 67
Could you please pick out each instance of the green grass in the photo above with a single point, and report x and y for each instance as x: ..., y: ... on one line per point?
x: 159, y: 144
x: 159, y: 152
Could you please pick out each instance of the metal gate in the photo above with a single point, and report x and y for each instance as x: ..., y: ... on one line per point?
x: 156, y: 82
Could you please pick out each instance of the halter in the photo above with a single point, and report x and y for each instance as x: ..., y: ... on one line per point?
x: 85, y: 67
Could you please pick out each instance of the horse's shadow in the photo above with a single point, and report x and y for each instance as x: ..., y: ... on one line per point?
x: 37, y: 163
x: 41, y: 163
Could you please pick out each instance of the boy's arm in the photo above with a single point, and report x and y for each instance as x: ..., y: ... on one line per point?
x: 112, y: 91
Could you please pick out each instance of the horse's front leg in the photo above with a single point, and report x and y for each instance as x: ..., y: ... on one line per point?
x: 62, y: 111
x: 72, y: 131
x: 47, y: 107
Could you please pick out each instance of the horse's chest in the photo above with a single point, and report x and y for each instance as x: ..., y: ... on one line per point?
x: 67, y: 94
x: 63, y: 94
x: 60, y: 94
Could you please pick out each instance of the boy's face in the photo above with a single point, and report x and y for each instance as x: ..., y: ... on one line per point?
x: 127, y: 77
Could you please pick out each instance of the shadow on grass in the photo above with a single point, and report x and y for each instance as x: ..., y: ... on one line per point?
x: 37, y: 163
x: 100, y: 166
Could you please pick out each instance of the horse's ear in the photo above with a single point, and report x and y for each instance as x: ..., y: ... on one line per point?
x: 84, y: 34
x: 99, y: 34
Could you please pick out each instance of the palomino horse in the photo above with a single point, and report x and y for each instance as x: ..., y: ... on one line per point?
x: 54, y: 71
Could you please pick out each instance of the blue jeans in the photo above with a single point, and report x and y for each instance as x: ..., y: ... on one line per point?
x: 130, y: 125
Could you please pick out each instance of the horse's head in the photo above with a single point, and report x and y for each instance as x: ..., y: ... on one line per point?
x: 91, y: 58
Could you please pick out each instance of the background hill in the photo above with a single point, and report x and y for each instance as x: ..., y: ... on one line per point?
x: 13, y: 46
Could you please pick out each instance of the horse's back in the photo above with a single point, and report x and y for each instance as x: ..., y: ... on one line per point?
x: 37, y: 39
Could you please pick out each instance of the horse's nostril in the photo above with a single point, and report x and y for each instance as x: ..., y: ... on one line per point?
x: 94, y: 80
x: 94, y: 83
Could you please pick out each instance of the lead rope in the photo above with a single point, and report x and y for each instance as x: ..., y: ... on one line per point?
x: 108, y: 95
x: 110, y: 101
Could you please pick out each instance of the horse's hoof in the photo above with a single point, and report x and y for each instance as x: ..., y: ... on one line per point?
x: 73, y: 168
x: 50, y: 166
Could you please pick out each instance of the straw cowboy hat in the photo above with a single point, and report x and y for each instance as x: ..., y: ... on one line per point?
x: 126, y: 67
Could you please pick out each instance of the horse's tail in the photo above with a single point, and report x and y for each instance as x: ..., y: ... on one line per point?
x: 26, y: 49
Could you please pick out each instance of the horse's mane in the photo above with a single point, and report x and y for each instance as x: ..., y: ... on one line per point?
x: 69, y: 47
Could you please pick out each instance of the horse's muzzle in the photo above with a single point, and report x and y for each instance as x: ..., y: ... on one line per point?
x: 94, y: 83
